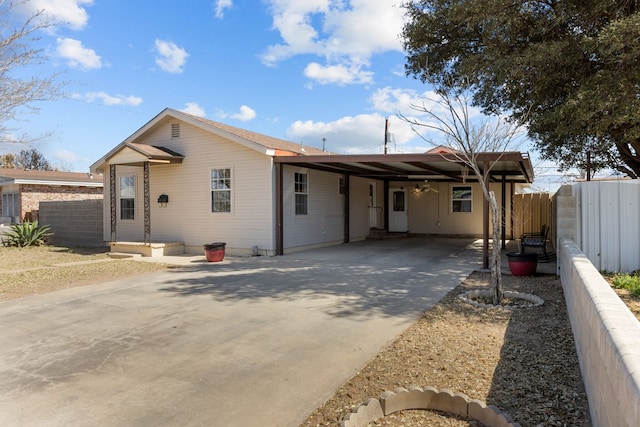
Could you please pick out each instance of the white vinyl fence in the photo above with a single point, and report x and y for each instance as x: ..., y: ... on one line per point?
x: 608, y: 223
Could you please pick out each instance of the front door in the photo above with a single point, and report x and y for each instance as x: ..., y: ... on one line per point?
x: 398, y: 218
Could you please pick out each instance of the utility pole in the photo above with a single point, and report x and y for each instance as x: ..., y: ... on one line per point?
x: 386, y: 133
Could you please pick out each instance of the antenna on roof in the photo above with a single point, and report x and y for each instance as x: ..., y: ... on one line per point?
x: 386, y: 133
x: 323, y: 141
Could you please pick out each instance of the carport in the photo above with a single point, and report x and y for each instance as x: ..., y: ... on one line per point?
x: 438, y: 165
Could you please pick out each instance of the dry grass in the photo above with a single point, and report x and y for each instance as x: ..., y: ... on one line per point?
x: 522, y: 361
x: 35, y: 270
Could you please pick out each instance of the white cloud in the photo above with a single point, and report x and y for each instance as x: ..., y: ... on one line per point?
x: 337, y: 74
x: 66, y: 12
x: 170, y: 57
x: 244, y: 115
x: 194, y: 109
x: 107, y: 99
x: 361, y: 134
x: 77, y: 55
x: 345, y: 33
x: 66, y: 156
x: 221, y: 5
x: 364, y: 133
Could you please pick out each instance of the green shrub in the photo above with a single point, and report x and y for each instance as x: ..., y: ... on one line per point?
x: 27, y: 234
x: 630, y: 282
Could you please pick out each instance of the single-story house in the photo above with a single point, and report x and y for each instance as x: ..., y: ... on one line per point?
x: 22, y: 191
x: 185, y: 179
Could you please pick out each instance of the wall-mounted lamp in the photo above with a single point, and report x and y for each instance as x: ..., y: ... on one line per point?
x: 163, y: 200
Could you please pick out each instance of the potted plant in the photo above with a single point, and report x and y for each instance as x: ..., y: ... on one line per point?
x: 214, y: 252
x: 523, y: 263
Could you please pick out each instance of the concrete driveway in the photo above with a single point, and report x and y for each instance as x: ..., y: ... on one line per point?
x: 246, y: 342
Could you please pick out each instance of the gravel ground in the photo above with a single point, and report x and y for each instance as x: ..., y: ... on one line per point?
x: 522, y: 361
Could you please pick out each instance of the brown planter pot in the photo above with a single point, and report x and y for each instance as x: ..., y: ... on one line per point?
x: 214, y: 252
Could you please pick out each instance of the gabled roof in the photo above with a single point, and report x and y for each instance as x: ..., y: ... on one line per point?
x: 10, y: 176
x: 265, y: 141
x: 262, y: 143
x: 442, y: 149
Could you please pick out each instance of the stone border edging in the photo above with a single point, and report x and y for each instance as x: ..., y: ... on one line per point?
x: 431, y: 398
x: 533, y: 299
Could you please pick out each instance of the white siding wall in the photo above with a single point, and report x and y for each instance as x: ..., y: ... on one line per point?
x: 359, y: 207
x: 187, y: 217
x: 324, y: 223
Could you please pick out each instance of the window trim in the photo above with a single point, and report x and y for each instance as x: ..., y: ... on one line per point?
x: 120, y: 198
x: 221, y: 190
x: 469, y: 199
x: 301, y: 194
x: 15, y: 204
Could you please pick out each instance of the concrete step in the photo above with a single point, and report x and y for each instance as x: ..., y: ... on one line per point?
x: 122, y: 255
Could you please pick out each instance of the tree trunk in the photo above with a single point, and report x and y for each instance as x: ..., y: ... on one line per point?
x: 496, y: 275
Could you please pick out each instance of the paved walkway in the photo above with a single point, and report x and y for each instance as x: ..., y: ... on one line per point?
x: 246, y: 342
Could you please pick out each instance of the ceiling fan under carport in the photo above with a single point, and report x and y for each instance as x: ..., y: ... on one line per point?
x: 425, y: 188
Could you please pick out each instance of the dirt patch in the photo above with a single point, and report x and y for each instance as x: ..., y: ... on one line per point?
x: 37, y: 270
x: 523, y: 361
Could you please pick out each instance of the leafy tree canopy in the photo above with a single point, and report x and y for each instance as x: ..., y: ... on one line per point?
x: 568, y: 69
x: 26, y: 159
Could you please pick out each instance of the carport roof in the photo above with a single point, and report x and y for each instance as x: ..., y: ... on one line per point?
x: 510, y: 166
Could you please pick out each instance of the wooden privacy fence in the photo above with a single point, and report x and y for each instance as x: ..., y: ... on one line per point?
x: 530, y: 212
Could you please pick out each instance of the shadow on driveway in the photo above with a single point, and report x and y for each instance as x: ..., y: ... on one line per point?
x: 389, y: 277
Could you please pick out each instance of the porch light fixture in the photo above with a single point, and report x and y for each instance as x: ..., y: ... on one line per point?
x: 163, y: 200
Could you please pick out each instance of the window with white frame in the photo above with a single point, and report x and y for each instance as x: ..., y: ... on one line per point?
x: 128, y: 197
x: 221, y: 190
x: 461, y: 198
x: 301, y: 192
x: 10, y: 205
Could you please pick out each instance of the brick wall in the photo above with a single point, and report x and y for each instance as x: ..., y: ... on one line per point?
x: 74, y: 222
x: 32, y: 194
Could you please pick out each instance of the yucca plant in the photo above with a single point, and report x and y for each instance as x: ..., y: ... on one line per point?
x: 27, y: 234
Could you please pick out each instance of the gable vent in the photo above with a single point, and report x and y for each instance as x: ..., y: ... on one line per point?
x: 175, y: 130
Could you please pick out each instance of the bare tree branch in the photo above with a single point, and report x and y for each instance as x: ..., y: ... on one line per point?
x: 20, y: 87
x: 468, y: 137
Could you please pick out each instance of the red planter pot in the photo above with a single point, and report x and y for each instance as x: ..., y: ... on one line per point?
x: 214, y: 252
x: 522, y: 263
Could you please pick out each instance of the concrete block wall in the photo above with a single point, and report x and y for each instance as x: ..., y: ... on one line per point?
x: 607, y: 337
x: 31, y: 195
x: 74, y: 222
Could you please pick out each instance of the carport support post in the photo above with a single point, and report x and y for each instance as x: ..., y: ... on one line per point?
x: 112, y: 200
x: 485, y: 218
x: 279, y: 209
x: 147, y: 204
x: 347, y: 202
x: 504, y: 211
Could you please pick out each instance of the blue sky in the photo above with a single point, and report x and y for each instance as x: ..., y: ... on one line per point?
x: 292, y: 69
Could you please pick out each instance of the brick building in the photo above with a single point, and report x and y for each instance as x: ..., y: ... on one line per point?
x: 22, y: 191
